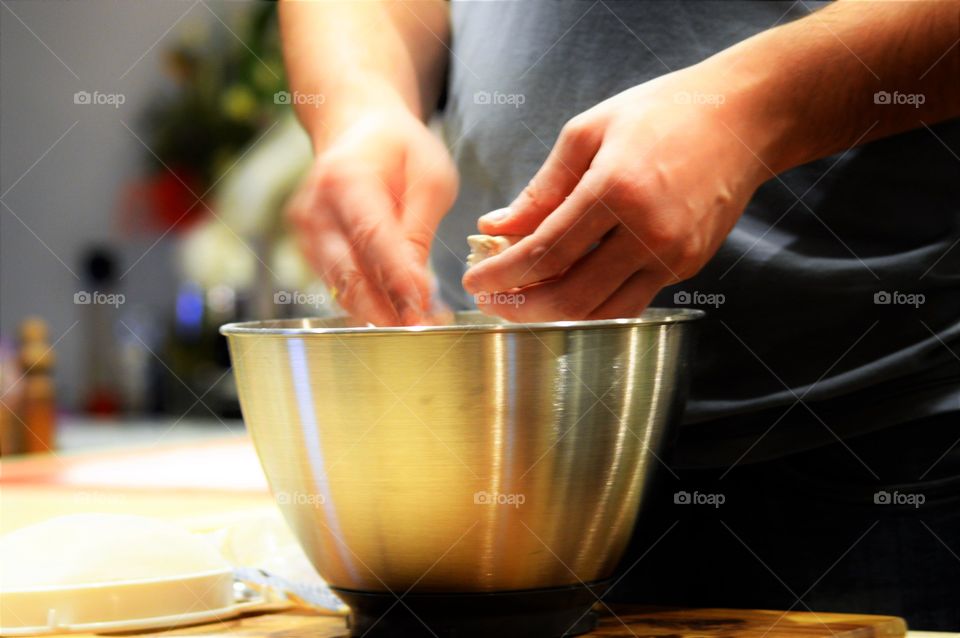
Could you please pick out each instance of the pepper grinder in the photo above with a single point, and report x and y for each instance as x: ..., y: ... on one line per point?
x: 38, y: 405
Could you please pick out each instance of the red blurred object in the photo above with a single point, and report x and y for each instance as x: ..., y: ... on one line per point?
x: 168, y: 200
x: 102, y: 402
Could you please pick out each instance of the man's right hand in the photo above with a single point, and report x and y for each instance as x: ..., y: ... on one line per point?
x: 366, y: 214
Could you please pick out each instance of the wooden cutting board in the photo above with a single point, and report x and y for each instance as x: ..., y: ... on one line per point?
x: 629, y: 621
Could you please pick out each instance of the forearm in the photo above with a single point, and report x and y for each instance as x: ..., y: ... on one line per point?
x: 819, y: 85
x: 361, y: 55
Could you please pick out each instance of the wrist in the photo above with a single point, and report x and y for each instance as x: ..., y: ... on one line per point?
x: 349, y: 101
x: 760, y: 109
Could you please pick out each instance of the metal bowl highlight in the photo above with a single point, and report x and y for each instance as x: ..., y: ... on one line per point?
x: 471, y: 457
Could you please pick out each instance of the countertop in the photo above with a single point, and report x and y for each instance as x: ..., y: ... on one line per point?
x: 166, y: 478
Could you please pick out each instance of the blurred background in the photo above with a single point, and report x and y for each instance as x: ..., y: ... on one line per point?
x: 147, y: 152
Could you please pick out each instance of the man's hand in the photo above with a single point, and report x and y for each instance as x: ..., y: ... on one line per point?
x: 637, y: 193
x: 366, y: 214
x: 641, y: 190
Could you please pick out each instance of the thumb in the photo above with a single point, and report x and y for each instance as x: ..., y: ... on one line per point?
x: 563, y: 169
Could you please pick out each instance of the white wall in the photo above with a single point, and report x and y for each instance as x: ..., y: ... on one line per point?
x: 69, y: 198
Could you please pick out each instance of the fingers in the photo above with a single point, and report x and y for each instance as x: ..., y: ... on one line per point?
x: 430, y: 192
x: 563, y: 238
x: 585, y: 286
x: 365, y: 213
x: 632, y: 298
x: 352, y: 238
x: 355, y: 292
x: 563, y: 169
x: 329, y: 254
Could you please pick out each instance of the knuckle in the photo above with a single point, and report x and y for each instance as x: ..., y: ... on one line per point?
x: 623, y: 192
x: 442, y: 183
x: 546, y: 259
x: 662, y: 236
x: 689, y: 257
x: 333, y: 179
x: 335, y: 175
x: 362, y: 235
x: 535, y: 195
x: 420, y: 240
x: 577, y: 131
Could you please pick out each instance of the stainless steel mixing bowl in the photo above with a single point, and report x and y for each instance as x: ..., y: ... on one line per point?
x: 471, y: 457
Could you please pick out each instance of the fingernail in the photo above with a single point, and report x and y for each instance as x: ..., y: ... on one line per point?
x: 496, y: 215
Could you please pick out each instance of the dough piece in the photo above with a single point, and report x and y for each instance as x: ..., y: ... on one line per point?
x: 485, y: 246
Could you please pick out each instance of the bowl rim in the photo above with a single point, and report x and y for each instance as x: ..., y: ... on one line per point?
x: 301, y: 327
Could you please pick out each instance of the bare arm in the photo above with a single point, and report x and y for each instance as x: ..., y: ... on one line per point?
x: 381, y: 182
x: 654, y: 183
x: 820, y: 83
x: 361, y: 55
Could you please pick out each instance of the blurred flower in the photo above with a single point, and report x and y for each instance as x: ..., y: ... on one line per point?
x: 164, y: 200
x: 212, y: 254
x: 251, y: 196
x: 239, y: 103
x: 249, y: 203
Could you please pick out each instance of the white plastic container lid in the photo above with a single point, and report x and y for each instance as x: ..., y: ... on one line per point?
x: 108, y: 572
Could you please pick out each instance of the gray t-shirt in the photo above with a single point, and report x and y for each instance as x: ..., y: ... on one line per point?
x: 800, y: 316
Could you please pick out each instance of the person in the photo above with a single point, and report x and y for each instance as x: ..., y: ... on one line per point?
x: 790, y: 167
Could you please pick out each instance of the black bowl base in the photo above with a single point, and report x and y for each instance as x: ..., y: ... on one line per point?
x: 535, y: 613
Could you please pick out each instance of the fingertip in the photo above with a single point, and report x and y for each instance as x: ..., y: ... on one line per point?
x: 497, y: 215
x: 513, y: 225
x: 491, y: 223
x: 469, y: 281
